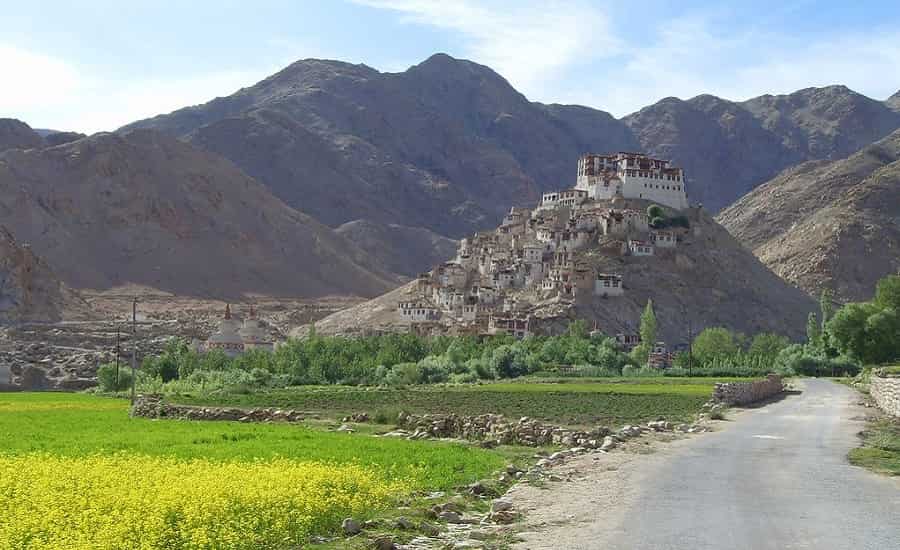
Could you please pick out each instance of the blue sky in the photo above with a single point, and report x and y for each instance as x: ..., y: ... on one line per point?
x: 95, y: 65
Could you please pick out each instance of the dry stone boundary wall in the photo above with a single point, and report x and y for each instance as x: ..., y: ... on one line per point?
x: 886, y: 393
x: 743, y: 393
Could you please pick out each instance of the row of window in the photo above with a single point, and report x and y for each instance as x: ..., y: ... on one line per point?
x: 666, y: 187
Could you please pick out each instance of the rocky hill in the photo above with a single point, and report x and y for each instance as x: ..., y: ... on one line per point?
x: 708, y: 279
x: 828, y: 224
x: 15, y: 134
x: 405, y: 250
x: 144, y: 208
x: 29, y: 290
x: 729, y: 148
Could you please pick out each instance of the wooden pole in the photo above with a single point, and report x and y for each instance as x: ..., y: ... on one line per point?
x: 133, y: 346
x: 118, y: 331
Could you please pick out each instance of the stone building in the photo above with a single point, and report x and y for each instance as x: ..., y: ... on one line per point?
x: 632, y: 176
x: 608, y: 285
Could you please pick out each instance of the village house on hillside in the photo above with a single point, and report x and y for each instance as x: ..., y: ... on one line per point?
x: 540, y: 258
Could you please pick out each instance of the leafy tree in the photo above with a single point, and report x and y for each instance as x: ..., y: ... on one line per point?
x: 813, y: 331
x: 648, y: 335
x: 847, y: 329
x: 508, y: 361
x: 826, y: 306
x: 714, y: 342
x: 655, y: 211
x: 106, y: 378
x: 887, y: 293
x: 768, y: 345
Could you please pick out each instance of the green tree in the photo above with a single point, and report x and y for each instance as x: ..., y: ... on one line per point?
x: 714, y: 342
x: 813, y: 331
x: 648, y: 335
x: 826, y: 306
x: 887, y: 293
x: 847, y: 329
x: 768, y: 345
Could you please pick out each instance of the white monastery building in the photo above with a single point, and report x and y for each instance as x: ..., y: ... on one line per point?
x: 633, y: 176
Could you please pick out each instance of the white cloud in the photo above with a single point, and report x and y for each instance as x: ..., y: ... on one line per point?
x: 48, y: 92
x: 529, y: 43
x: 695, y: 55
x: 562, y: 52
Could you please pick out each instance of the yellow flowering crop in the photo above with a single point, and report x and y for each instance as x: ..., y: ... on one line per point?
x: 140, y: 502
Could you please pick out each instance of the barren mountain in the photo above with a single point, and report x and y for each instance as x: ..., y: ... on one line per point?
x: 29, y: 291
x: 447, y: 144
x: 708, y: 280
x: 15, y: 134
x: 729, y: 148
x: 147, y: 209
x: 405, y: 250
x: 828, y: 224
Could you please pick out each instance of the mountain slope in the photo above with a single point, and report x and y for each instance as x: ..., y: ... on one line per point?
x: 405, y: 250
x: 15, y: 134
x: 828, y: 224
x: 29, y: 291
x: 148, y: 209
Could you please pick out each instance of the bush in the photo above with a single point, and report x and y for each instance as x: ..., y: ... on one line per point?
x: 403, y: 374
x: 106, y: 378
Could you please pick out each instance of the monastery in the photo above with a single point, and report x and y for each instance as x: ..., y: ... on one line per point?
x: 537, y: 258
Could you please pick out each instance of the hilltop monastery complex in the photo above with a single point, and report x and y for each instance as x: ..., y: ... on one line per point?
x: 539, y: 258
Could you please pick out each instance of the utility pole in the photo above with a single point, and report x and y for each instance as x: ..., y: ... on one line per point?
x: 690, y: 347
x: 118, y: 331
x: 133, y: 346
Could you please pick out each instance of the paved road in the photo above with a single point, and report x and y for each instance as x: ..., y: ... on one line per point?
x: 776, y: 478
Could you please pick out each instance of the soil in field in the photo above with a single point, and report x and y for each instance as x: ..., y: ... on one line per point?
x: 566, y: 404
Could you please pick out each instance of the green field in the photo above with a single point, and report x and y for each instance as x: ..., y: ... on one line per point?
x: 610, y: 401
x: 80, y: 425
x: 76, y: 472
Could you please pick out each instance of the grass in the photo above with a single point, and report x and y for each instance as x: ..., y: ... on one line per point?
x: 78, y: 425
x: 77, y: 472
x: 610, y: 402
x: 881, y: 447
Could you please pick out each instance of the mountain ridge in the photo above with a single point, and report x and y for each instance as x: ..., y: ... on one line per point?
x: 454, y: 144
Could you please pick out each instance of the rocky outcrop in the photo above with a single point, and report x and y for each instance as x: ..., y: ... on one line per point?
x: 744, y: 393
x: 29, y: 290
x: 885, y: 391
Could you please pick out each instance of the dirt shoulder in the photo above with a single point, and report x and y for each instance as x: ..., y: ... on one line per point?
x: 563, y: 514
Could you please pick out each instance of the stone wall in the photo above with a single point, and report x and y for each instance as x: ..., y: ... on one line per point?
x: 152, y: 406
x: 886, y: 393
x: 742, y: 393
